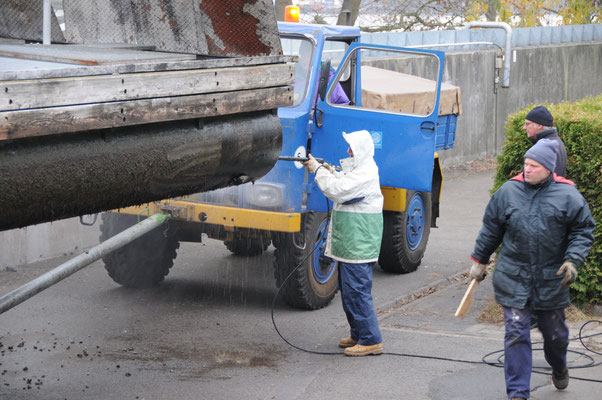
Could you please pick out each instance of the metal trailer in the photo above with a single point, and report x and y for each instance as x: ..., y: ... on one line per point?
x: 395, y: 93
x: 120, y: 103
x: 134, y: 101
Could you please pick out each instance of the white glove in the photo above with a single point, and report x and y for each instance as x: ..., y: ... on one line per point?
x: 569, y: 271
x: 311, y: 165
x: 478, y: 271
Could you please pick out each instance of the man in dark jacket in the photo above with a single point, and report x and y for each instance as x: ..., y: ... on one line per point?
x: 546, y: 230
x: 539, y: 125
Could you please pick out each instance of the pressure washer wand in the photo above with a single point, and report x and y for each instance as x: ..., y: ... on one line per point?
x: 300, y: 159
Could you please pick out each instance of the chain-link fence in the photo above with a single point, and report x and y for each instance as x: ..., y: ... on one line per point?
x: 22, y: 19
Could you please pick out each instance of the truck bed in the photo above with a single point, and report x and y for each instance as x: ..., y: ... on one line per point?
x: 413, y: 95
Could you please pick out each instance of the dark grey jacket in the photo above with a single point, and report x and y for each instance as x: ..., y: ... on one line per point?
x: 539, y: 226
x: 552, y: 134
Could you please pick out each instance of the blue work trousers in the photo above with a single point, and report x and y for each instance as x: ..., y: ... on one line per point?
x: 355, y: 282
x: 517, y: 346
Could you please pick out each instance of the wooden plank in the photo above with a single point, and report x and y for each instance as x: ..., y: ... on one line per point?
x: 81, y: 70
x: 40, y: 122
x: 467, y: 299
x: 19, y: 95
x: 87, y: 55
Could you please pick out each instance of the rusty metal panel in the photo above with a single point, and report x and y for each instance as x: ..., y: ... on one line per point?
x: 22, y: 19
x: 205, y: 27
x: 240, y: 27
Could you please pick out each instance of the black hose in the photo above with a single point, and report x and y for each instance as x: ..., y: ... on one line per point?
x: 498, y: 364
x: 282, y: 285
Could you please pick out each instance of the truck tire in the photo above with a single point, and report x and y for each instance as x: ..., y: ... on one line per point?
x: 314, y: 284
x: 143, y: 263
x: 406, y: 234
x: 247, y: 246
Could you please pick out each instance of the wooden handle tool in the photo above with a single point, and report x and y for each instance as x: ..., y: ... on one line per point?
x: 466, y: 300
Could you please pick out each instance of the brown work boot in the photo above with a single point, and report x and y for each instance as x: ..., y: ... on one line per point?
x: 359, y: 350
x: 347, y: 342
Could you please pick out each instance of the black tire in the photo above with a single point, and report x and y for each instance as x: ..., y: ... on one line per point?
x: 247, y: 247
x: 405, y: 235
x: 315, y: 283
x: 143, y: 263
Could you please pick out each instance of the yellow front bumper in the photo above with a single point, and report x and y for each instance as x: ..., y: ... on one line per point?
x: 233, y: 217
x: 219, y: 215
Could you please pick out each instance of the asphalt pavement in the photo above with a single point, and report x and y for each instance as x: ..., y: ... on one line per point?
x: 206, y: 332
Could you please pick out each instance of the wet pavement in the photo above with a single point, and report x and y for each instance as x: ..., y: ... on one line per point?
x: 206, y: 332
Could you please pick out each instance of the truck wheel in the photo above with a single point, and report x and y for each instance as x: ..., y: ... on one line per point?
x: 143, y: 263
x: 314, y: 284
x: 247, y: 246
x: 406, y: 234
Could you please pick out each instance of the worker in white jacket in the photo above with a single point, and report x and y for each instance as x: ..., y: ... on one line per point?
x: 354, y: 236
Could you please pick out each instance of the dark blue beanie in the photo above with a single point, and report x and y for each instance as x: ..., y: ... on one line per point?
x: 544, y: 152
x: 541, y: 115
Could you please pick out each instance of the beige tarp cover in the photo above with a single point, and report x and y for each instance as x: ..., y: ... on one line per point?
x: 389, y: 90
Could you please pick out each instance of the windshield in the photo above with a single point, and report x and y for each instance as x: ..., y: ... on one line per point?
x: 304, y: 48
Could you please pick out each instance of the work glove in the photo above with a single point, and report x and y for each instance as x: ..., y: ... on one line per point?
x: 329, y: 167
x: 570, y: 273
x: 478, y: 271
x: 311, y: 165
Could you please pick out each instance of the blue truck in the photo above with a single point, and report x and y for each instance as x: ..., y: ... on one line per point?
x: 341, y: 85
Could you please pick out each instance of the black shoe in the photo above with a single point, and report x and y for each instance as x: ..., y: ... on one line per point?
x: 561, y: 380
x: 517, y: 398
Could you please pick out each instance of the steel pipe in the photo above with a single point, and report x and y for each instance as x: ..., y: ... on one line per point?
x: 46, y: 22
x: 508, y: 45
x: 64, y: 270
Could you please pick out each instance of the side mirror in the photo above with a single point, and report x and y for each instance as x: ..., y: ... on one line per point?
x: 323, y: 83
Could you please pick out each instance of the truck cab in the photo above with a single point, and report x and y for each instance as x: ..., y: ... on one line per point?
x: 341, y: 85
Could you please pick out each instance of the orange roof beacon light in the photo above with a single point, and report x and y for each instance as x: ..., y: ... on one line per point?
x: 291, y: 14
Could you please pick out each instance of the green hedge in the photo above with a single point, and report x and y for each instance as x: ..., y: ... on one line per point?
x: 579, y: 125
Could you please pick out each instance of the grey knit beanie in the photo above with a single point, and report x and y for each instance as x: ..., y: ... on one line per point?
x: 540, y: 115
x: 544, y: 152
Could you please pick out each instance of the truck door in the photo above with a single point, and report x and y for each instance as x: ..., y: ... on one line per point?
x: 394, y: 94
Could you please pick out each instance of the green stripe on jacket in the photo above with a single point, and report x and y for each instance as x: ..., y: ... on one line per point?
x: 356, y: 236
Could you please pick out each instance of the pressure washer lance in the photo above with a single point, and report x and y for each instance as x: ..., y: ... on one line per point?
x: 303, y: 159
x: 300, y: 159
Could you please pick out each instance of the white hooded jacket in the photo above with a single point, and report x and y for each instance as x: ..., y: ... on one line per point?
x: 356, y: 227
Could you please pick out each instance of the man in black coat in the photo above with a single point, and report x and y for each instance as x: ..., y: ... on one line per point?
x: 546, y: 231
x: 539, y: 125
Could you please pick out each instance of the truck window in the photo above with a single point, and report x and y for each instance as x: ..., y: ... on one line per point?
x: 334, y: 50
x: 396, y: 81
x: 304, y: 48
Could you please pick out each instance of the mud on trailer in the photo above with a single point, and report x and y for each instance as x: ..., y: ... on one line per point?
x: 394, y: 93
